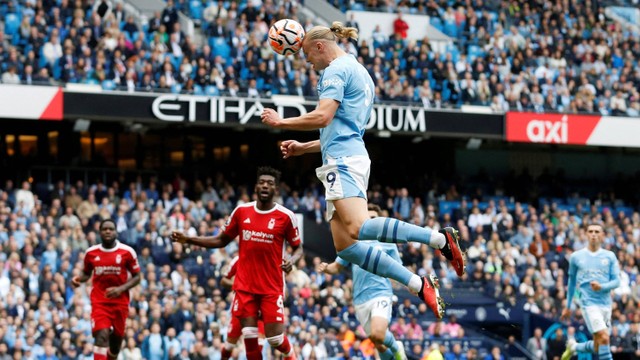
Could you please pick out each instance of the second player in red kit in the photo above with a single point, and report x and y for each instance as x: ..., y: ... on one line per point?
x: 264, y: 229
x: 113, y: 268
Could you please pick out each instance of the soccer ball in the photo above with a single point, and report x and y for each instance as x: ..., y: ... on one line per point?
x: 285, y: 36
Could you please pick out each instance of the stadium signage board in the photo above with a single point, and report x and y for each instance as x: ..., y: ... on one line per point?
x: 31, y: 102
x: 572, y: 129
x: 234, y: 111
x: 181, y: 108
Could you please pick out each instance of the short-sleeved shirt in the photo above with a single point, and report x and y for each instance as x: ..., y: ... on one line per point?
x: 348, y: 82
x: 586, y: 266
x: 262, y: 245
x: 111, y: 268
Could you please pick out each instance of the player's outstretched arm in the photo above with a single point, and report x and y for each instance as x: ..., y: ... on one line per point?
x: 333, y: 268
x: 290, y: 148
x: 218, y: 241
x: 317, y: 119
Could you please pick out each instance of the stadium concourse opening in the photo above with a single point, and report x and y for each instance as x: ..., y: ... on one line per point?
x: 48, y: 151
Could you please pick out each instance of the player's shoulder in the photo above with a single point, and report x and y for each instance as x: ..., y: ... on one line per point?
x: 124, y: 248
x: 93, y: 249
x: 610, y: 254
x: 248, y: 206
x: 284, y: 210
x: 243, y: 208
x: 579, y: 253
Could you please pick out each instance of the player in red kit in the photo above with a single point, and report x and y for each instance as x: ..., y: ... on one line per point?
x: 264, y: 228
x: 111, y: 264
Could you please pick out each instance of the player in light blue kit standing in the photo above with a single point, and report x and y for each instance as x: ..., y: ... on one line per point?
x: 372, y: 299
x: 593, y: 273
x: 346, y: 93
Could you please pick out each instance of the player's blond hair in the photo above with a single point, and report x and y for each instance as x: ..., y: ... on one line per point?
x: 333, y: 33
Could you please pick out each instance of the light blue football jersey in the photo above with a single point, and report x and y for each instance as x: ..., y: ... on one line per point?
x: 367, y: 286
x: 348, y: 82
x: 586, y: 266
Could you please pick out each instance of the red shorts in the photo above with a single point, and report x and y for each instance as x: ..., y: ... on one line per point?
x: 268, y: 307
x: 105, y: 316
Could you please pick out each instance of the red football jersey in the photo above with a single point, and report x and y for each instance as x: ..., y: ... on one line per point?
x: 110, y: 267
x: 262, y: 246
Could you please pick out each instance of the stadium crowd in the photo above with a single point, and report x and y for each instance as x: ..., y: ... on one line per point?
x: 524, y: 55
x: 513, y: 254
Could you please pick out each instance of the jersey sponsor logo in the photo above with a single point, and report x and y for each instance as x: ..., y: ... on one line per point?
x: 272, y: 223
x: 108, y: 270
x: 247, y: 221
x: 332, y: 82
x: 257, y: 236
x: 118, y: 259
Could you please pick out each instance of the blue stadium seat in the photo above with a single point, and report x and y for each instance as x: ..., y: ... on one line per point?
x: 108, y: 85
x: 220, y: 47
x: 176, y: 88
x: 259, y: 84
x: 195, y: 9
x: 473, y: 52
x: 11, y: 24
x: 447, y: 207
x: 436, y: 23
x: 57, y: 71
x: 212, y: 91
x: 176, y: 61
x: 451, y: 29
x: 197, y: 90
x: 244, y: 73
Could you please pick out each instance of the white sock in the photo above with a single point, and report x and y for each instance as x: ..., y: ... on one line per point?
x: 415, y: 283
x: 437, y: 240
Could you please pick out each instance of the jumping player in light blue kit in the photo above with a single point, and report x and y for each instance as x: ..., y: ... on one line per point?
x: 593, y: 273
x: 372, y: 299
x: 346, y: 93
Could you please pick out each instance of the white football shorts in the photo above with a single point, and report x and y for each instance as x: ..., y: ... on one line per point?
x: 376, y: 307
x: 344, y: 178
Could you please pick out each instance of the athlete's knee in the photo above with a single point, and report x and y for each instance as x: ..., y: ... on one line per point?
x: 602, y: 337
x: 276, y: 341
x: 101, y: 337
x: 377, y: 337
x: 381, y: 348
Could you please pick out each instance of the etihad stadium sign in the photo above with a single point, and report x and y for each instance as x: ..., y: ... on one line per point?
x: 191, y: 108
x: 200, y: 110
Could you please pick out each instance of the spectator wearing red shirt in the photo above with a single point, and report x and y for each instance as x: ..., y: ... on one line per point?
x: 400, y: 27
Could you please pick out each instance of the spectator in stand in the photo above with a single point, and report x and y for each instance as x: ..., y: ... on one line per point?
x: 400, y: 27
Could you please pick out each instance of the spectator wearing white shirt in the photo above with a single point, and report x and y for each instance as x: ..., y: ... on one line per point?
x: 25, y: 196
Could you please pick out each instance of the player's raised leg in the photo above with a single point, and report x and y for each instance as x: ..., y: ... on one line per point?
x: 376, y: 261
